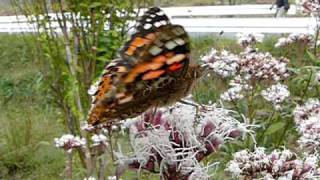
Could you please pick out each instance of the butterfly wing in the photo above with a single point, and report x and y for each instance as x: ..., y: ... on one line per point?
x: 158, y: 52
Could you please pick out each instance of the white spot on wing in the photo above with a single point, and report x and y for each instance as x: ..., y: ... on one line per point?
x: 179, y: 41
x: 147, y: 26
x: 155, y: 50
x: 163, y: 22
x: 127, y: 99
x: 176, y: 58
x: 157, y: 24
x: 93, y: 88
x: 170, y: 45
x: 148, y: 20
x: 160, y: 13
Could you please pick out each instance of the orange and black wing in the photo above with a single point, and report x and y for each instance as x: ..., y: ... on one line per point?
x: 157, y: 50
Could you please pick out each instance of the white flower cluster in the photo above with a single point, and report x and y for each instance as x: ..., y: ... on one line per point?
x: 262, y: 66
x: 69, y: 142
x: 144, y: 144
x: 279, y: 164
x: 276, y: 94
x: 309, y: 6
x: 224, y: 64
x: 232, y: 94
x: 309, y: 109
x: 210, y: 57
x: 87, y: 127
x: 195, y: 170
x: 99, y: 139
x: 249, y: 39
x: 181, y: 131
x: 307, y: 118
x: 236, y: 91
x: 219, y: 125
x: 251, y: 66
x: 302, y: 38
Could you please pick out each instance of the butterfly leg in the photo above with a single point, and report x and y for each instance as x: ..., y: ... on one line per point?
x: 154, y: 113
x: 189, y: 103
x: 197, y: 106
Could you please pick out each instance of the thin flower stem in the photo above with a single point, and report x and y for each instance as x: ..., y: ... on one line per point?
x: 269, y: 122
x: 103, y: 166
x: 68, y: 165
x: 250, y: 112
x: 316, y: 39
x: 307, y: 86
x: 250, y: 106
x: 110, y: 143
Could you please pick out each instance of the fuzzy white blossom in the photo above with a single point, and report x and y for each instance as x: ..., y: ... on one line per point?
x: 279, y: 164
x: 85, y: 126
x: 224, y: 63
x: 210, y: 57
x: 309, y: 109
x: 99, y: 139
x: 249, y: 39
x: 90, y: 178
x: 112, y: 178
x: 237, y: 89
x: 262, y: 66
x: 232, y: 94
x: 69, y: 142
x: 309, y: 6
x: 302, y: 38
x: 307, y: 118
x: 282, y: 42
x: 162, y: 138
x: 276, y: 94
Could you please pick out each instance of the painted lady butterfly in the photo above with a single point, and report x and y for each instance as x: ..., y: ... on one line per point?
x: 154, y: 70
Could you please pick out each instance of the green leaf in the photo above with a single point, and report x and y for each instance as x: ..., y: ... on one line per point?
x: 275, y: 127
x: 46, y: 143
x: 312, y: 57
x: 95, y: 4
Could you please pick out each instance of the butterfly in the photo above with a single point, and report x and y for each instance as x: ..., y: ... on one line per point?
x: 154, y: 70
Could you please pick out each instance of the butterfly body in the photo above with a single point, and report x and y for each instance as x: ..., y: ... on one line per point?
x: 154, y: 70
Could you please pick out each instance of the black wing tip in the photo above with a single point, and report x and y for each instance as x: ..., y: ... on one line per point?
x: 154, y: 9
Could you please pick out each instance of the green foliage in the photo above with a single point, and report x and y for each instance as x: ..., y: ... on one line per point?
x: 71, y: 60
x: 28, y: 119
x: 91, y: 33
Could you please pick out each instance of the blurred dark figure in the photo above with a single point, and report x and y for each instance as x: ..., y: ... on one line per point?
x: 282, y: 7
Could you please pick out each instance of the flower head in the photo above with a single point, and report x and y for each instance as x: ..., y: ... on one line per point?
x: 69, y: 142
x: 276, y: 94
x: 226, y: 64
x: 307, y: 118
x: 263, y: 67
x: 249, y: 39
x: 99, y: 139
x: 309, y: 6
x: 176, y: 140
x: 302, y: 38
x: 232, y: 94
x: 279, y: 164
